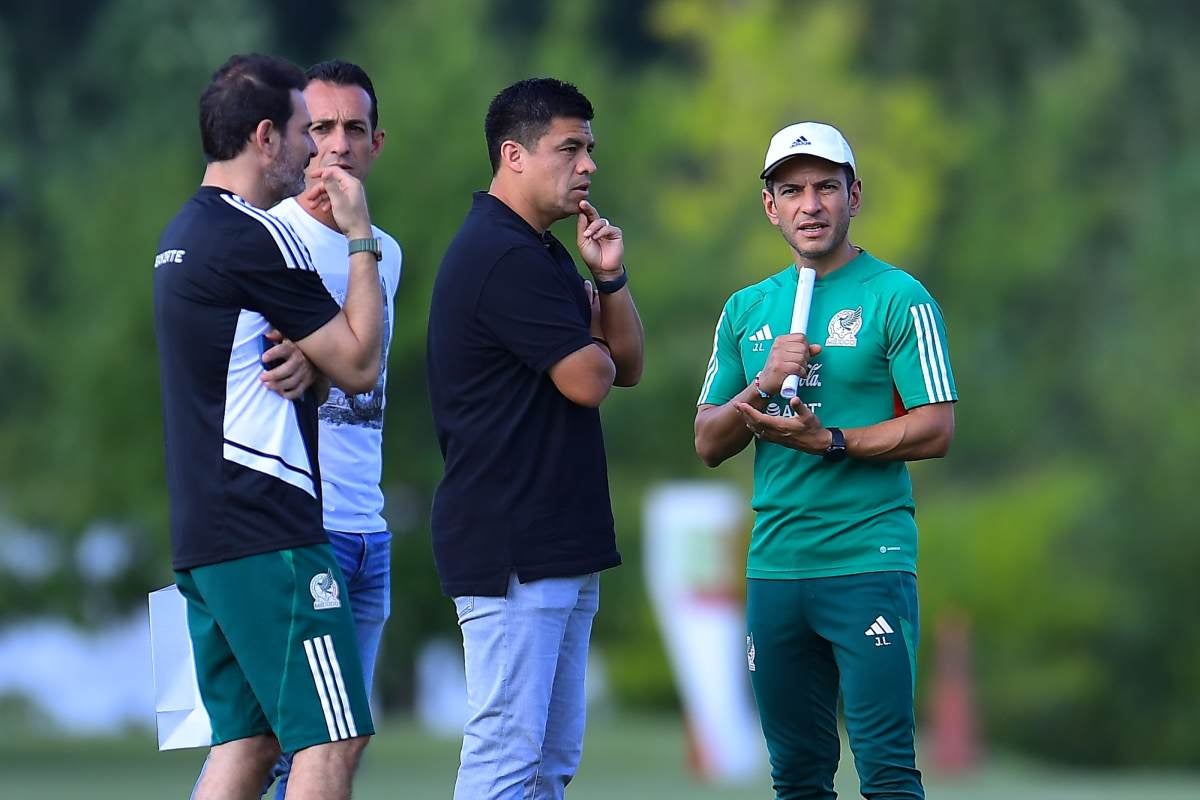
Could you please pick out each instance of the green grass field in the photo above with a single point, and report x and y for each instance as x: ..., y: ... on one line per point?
x: 627, y: 758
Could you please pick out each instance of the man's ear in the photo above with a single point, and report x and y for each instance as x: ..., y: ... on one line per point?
x: 512, y: 156
x: 377, y: 143
x: 855, y: 197
x: 769, y: 206
x: 266, y: 138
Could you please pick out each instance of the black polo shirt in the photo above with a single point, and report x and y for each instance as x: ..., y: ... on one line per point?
x: 525, y: 486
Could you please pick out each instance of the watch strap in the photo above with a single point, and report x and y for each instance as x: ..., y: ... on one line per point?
x: 368, y: 245
x: 837, y: 448
x: 615, y: 285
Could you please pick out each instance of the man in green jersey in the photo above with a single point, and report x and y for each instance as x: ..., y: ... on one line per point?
x: 831, y: 601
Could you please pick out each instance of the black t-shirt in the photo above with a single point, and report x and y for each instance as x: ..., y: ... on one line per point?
x: 525, y: 487
x: 241, y: 461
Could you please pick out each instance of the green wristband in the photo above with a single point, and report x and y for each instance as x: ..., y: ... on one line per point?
x: 372, y: 246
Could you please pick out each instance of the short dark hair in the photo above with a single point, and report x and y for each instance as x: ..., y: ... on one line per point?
x: 523, y: 112
x: 243, y: 92
x: 343, y: 73
x: 846, y: 168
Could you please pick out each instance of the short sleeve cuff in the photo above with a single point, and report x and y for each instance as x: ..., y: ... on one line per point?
x: 564, y: 349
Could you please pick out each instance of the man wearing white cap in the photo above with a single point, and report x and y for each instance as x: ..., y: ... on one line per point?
x: 831, y: 601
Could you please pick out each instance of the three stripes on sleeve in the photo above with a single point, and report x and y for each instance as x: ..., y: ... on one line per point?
x: 931, y: 354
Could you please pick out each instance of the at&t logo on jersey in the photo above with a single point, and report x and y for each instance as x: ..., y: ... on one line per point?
x: 324, y: 591
x: 774, y: 409
x: 844, y: 328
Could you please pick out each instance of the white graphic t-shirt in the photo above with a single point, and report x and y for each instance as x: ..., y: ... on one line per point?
x: 351, y: 426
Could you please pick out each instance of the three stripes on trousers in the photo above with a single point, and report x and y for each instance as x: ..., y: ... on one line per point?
x: 327, y: 675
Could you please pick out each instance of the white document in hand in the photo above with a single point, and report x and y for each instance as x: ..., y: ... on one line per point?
x: 178, y: 709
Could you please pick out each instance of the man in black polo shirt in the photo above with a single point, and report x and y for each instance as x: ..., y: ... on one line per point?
x: 275, y: 646
x: 522, y: 351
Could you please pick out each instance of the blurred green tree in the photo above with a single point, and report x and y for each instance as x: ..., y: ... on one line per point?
x: 1032, y: 163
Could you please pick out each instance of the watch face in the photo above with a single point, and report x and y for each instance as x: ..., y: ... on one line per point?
x: 837, y: 448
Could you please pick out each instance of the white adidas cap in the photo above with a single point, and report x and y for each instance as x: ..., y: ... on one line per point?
x: 808, y: 139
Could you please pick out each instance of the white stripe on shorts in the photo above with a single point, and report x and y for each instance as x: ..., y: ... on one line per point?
x: 331, y: 686
x: 341, y: 686
x: 319, y: 680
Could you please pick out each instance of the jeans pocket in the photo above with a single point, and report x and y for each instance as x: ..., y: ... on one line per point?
x: 463, y: 606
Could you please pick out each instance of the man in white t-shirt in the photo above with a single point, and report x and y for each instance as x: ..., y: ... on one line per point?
x: 341, y: 101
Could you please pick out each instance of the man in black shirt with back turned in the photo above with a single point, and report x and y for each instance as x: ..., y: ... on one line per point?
x: 275, y: 647
x: 522, y: 351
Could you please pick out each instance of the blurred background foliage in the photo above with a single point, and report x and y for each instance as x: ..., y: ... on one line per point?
x: 1034, y: 164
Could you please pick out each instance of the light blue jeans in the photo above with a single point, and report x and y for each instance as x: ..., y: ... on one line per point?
x: 366, y: 563
x: 526, y: 659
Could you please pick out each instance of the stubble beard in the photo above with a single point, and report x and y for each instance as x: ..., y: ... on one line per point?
x: 284, y: 180
x: 817, y: 252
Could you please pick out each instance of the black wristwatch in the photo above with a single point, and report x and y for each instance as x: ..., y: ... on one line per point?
x: 615, y: 285
x: 837, y: 448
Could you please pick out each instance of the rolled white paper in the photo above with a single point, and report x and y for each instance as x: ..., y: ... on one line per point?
x: 800, y: 308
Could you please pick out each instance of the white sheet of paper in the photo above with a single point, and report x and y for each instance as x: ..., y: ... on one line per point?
x: 180, y: 713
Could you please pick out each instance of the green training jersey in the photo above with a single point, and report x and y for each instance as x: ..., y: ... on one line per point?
x: 883, y: 351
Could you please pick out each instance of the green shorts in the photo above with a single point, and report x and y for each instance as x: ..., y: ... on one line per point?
x: 275, y: 647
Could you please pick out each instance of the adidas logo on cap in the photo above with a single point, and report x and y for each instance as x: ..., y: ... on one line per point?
x: 808, y: 139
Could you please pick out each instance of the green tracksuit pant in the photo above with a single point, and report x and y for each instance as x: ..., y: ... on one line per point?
x: 812, y: 640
